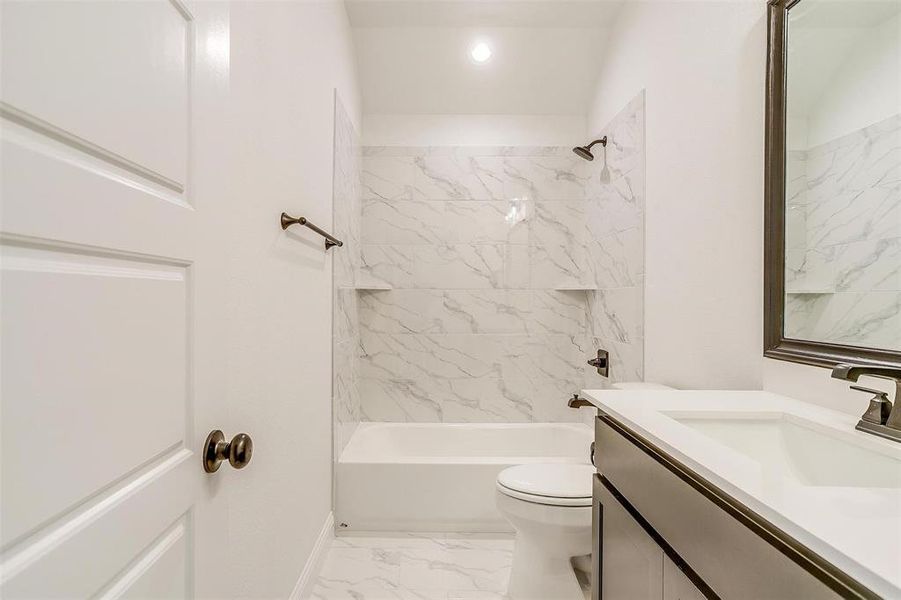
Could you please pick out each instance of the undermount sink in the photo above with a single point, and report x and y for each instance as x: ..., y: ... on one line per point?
x: 787, y: 446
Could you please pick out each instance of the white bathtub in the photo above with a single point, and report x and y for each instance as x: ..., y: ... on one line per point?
x: 441, y: 477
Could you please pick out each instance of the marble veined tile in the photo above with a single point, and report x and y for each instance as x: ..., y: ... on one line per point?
x: 558, y: 312
x: 626, y: 362
x: 854, y: 216
x: 446, y: 311
x: 387, y: 178
x: 869, y: 265
x: 796, y: 226
x: 437, y: 567
x: 871, y: 319
x: 388, y: 264
x: 617, y: 314
x: 432, y: 356
x: 559, y: 358
x: 361, y: 569
x: 517, y: 267
x: 479, y: 222
x: 810, y: 269
x: 559, y: 265
x: 458, y: 266
x: 493, y: 400
x: 400, y: 400
x: 559, y: 224
x: 625, y: 140
x: 475, y: 570
x: 404, y: 222
x: 549, y: 401
x: 617, y: 260
x: 458, y: 178
x: 545, y: 178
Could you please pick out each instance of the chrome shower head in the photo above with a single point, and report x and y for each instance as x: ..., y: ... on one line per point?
x: 585, y: 151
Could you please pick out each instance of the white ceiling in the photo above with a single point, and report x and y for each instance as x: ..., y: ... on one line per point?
x: 482, y: 13
x: 413, y: 55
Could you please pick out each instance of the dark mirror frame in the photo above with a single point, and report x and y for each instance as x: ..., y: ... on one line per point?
x: 775, y: 344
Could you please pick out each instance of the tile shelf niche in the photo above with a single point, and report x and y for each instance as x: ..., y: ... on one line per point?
x: 576, y: 288
x: 372, y: 286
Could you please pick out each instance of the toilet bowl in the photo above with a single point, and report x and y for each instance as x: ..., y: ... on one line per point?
x: 549, y: 507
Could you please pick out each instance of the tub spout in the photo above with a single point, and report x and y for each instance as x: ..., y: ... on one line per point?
x: 577, y: 402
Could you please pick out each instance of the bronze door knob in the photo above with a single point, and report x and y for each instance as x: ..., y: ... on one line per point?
x: 238, y: 451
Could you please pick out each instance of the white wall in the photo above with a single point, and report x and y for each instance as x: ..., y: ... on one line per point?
x: 865, y: 89
x: 703, y: 67
x: 286, y: 60
x: 473, y: 130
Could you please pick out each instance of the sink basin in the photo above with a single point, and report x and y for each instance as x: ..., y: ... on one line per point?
x: 790, y: 447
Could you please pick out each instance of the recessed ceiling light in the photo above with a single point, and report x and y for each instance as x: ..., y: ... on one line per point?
x: 480, y: 52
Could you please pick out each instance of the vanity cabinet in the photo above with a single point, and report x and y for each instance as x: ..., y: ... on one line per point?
x: 662, y: 531
x: 631, y: 561
x: 633, y: 565
x: 676, y: 585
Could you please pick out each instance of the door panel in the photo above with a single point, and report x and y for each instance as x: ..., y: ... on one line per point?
x: 111, y: 136
x: 97, y: 346
x: 86, y: 551
x: 160, y: 572
x: 112, y: 77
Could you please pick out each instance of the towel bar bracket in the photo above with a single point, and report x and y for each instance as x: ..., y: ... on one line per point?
x: 330, y: 240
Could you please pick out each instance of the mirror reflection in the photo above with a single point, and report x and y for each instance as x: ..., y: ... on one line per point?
x: 843, y: 173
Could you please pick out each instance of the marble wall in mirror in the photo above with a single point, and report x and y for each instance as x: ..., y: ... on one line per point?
x: 843, y: 173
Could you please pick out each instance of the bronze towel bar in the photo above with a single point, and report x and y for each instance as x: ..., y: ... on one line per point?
x: 330, y: 240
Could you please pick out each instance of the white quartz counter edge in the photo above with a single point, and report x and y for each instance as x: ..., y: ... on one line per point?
x: 875, y: 563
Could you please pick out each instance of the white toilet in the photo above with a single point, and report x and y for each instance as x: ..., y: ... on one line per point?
x: 549, y: 507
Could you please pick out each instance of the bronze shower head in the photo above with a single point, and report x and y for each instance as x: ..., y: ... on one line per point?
x: 585, y: 151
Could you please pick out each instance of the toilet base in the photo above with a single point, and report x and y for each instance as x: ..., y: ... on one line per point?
x: 547, y: 537
x: 537, y: 576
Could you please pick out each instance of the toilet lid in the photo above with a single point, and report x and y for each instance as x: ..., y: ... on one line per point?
x: 550, y: 480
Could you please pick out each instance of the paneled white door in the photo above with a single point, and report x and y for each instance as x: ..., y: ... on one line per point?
x: 112, y: 165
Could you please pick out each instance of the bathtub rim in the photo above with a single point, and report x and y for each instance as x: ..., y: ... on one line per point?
x: 348, y: 454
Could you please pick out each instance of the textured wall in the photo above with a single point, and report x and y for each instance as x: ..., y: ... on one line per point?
x: 843, y: 255
x: 346, y: 264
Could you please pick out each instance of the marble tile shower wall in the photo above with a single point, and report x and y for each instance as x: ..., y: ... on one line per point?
x: 487, y: 252
x: 843, y: 255
x: 473, y: 242
x: 615, y: 222
x: 346, y: 264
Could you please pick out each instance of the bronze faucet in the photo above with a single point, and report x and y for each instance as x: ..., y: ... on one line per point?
x: 882, y: 417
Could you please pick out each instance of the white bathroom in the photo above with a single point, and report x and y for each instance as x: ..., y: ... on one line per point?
x: 450, y: 299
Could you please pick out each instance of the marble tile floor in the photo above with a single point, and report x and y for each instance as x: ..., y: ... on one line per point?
x: 416, y: 567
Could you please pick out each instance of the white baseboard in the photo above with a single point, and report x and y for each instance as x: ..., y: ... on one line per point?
x: 303, y: 589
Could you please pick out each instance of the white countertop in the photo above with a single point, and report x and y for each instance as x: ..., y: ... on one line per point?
x: 856, y: 528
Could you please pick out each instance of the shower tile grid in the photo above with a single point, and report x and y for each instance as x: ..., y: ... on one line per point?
x: 417, y: 567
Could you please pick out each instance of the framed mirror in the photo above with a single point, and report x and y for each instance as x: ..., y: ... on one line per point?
x: 832, y: 272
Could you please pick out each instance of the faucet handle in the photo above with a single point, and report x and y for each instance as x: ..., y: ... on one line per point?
x: 880, y: 406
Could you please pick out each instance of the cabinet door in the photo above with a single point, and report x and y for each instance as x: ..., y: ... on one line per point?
x: 631, y: 563
x: 676, y: 586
